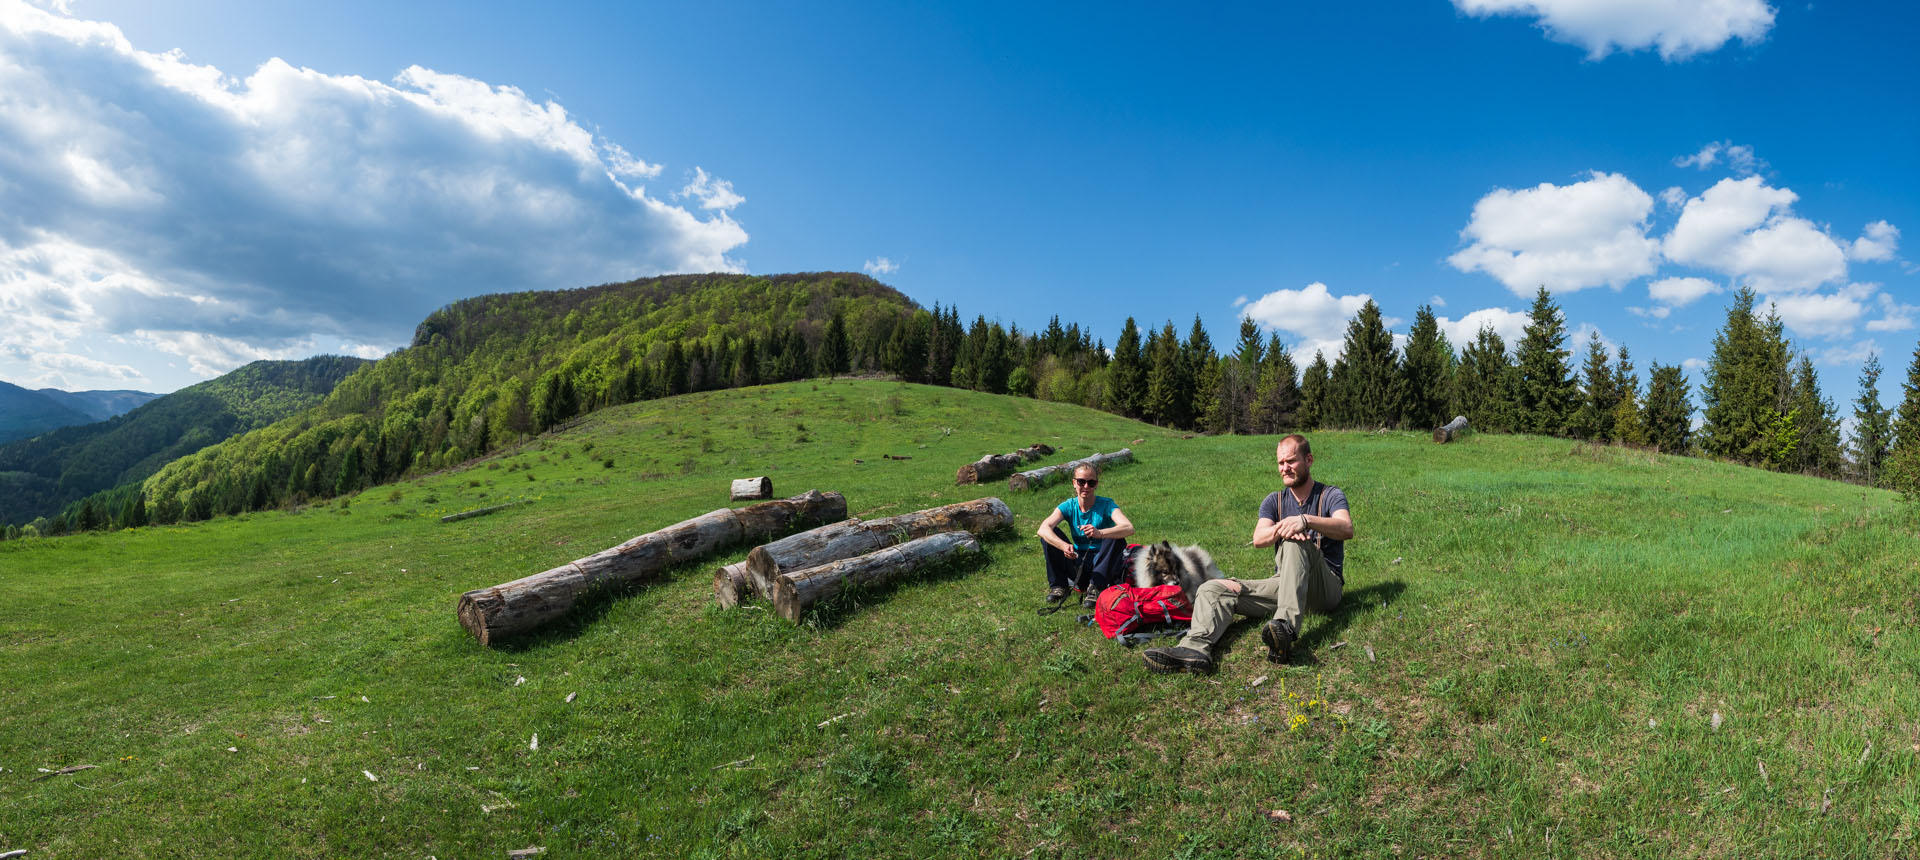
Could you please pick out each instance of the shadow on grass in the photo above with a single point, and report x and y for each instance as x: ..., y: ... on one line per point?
x: 1321, y: 629
x: 856, y: 598
x: 592, y: 605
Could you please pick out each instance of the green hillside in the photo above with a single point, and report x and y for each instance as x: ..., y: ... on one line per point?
x: 1536, y: 639
x: 25, y: 412
x: 39, y: 476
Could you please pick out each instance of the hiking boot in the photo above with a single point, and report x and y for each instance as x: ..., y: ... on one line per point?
x: 1055, y: 595
x: 1178, y: 659
x: 1088, y: 601
x: 1279, y: 636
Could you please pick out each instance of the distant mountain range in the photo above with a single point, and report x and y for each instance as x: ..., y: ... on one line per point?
x: 41, y: 474
x: 25, y: 412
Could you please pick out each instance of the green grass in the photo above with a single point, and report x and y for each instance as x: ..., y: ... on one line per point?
x: 1552, y: 627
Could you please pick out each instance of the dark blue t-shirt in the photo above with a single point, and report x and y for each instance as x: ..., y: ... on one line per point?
x: 1321, y: 502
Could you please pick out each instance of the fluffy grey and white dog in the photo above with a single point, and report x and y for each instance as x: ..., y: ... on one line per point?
x: 1166, y: 564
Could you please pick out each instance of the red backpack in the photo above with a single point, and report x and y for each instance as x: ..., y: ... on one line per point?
x: 1123, y: 609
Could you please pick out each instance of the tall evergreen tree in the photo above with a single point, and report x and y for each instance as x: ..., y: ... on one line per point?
x: 1126, y: 374
x: 1599, y: 395
x: 1668, y: 416
x: 796, y: 358
x: 995, y: 363
x: 1545, y: 394
x: 1251, y: 351
x: 942, y: 344
x: 746, y: 362
x: 1483, y: 387
x: 1277, y: 407
x: 1872, y: 426
x: 1169, y: 384
x: 1627, y: 426
x: 1203, y: 371
x: 1746, y: 383
x: 1364, y: 388
x: 1906, y: 423
x: 835, y: 356
x: 1816, y: 424
x: 1424, y: 373
x: 1314, y: 393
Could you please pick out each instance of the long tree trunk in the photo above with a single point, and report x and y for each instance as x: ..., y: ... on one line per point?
x: 854, y: 538
x: 1453, y: 428
x: 794, y: 592
x: 526, y: 603
x: 996, y: 466
x: 1041, y: 477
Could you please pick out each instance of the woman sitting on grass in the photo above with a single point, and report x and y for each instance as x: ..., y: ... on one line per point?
x: 1087, y: 557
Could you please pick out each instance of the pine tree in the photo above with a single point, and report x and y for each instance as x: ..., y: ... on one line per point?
x: 941, y: 346
x: 1203, y: 369
x: 1745, y: 383
x: 1483, y: 387
x: 1277, y: 407
x: 835, y: 356
x: 1126, y: 374
x: 1545, y: 394
x: 1250, y: 350
x: 746, y: 363
x: 796, y: 358
x: 1599, y: 395
x: 1906, y: 424
x: 1872, y: 426
x: 1818, y: 428
x: 1627, y: 426
x: 1668, y: 416
x: 1315, y: 387
x: 995, y: 363
x: 1364, y: 389
x: 1424, y: 373
x: 1169, y: 400
x: 673, y: 369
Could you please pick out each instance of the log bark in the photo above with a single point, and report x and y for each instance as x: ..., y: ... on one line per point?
x: 529, y: 602
x: 752, y: 488
x: 996, y: 466
x: 1453, y: 428
x: 795, y: 591
x: 855, y: 538
x: 1038, y: 478
x: 732, y: 585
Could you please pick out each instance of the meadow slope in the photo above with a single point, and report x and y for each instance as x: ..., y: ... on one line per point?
x: 1536, y: 640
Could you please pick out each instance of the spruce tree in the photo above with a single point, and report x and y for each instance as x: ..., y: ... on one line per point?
x: 996, y: 362
x: 1169, y: 386
x: 1277, y: 406
x: 1872, y: 426
x: 1314, y: 392
x: 1364, y: 384
x: 1203, y: 371
x: 1816, y: 425
x: 1668, y: 416
x: 1126, y: 374
x: 1906, y: 423
x: 746, y: 363
x: 835, y: 356
x: 1746, y: 379
x: 1599, y: 394
x: 1424, y: 373
x: 1250, y: 350
x: 1483, y: 387
x: 1627, y: 426
x: 1545, y: 394
x: 941, y: 346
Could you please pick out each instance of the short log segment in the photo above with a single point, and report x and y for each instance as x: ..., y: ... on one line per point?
x: 855, y: 538
x: 1041, y: 477
x: 732, y: 585
x: 794, y: 592
x: 996, y: 466
x: 752, y: 488
x: 1453, y: 428
x: 529, y: 602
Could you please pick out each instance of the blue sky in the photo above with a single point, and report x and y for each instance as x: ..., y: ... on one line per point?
x: 316, y: 179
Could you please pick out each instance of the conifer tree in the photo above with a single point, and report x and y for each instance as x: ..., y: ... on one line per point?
x: 1203, y: 371
x: 1743, y: 395
x: 746, y: 363
x: 1818, y: 428
x: 1314, y: 392
x: 1483, y: 387
x: 1277, y: 407
x: 796, y: 358
x: 1425, y: 372
x: 1545, y: 394
x: 942, y: 345
x: 1668, y: 416
x: 995, y: 362
x: 1364, y: 389
x: 834, y: 357
x: 1872, y: 426
x: 1251, y: 351
x: 1599, y: 395
x: 1126, y: 374
x: 1169, y: 386
x: 1906, y: 423
x: 1627, y: 426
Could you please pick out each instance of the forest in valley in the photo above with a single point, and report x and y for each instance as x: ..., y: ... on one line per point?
x: 486, y: 373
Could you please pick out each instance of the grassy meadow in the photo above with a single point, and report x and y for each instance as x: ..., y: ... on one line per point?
x: 1546, y: 649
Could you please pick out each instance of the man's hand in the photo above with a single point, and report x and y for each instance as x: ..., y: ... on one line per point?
x: 1294, y: 528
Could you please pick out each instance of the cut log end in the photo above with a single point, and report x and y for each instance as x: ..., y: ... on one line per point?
x: 752, y: 488
x: 731, y: 585
x: 1451, y: 430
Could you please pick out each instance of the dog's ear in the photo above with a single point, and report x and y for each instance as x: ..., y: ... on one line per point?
x: 1166, y: 546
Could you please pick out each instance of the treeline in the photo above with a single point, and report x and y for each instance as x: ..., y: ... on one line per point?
x: 488, y: 372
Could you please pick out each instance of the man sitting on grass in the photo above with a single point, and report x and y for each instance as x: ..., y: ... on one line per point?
x: 1087, y: 559
x: 1309, y: 524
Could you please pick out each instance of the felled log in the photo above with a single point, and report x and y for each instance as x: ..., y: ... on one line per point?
x: 732, y: 585
x: 854, y: 538
x: 1041, y: 477
x: 1453, y: 428
x: 526, y: 603
x: 752, y: 488
x: 795, y: 591
x: 995, y: 466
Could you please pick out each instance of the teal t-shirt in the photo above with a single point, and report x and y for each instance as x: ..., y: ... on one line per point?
x: 1101, y: 517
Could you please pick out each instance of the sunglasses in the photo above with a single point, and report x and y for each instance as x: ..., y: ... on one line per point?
x: 1086, y: 483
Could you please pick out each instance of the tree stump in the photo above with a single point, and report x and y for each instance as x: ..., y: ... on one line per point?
x: 1453, y: 428
x: 855, y: 538
x: 1041, y: 477
x: 995, y: 466
x: 795, y: 591
x: 529, y: 602
x: 732, y: 585
x: 752, y: 488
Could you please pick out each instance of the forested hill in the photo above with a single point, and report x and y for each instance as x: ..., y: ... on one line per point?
x: 485, y: 372
x: 25, y: 412
x: 40, y: 476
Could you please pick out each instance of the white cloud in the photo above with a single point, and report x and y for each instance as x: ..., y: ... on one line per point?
x: 1658, y: 312
x: 153, y: 202
x: 1437, y: 301
x: 1240, y: 301
x: 1313, y: 314
x: 1877, y: 243
x: 1847, y: 354
x: 712, y: 193
x: 1694, y: 364
x: 880, y: 266
x: 1744, y: 228
x: 1565, y: 238
x: 1739, y: 158
x: 1577, y: 343
x: 1674, y: 197
x: 1824, y: 315
x: 1680, y: 292
x: 1894, y: 316
x: 1678, y: 29
x: 1509, y: 325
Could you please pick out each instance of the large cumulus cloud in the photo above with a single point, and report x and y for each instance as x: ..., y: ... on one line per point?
x: 150, y: 200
